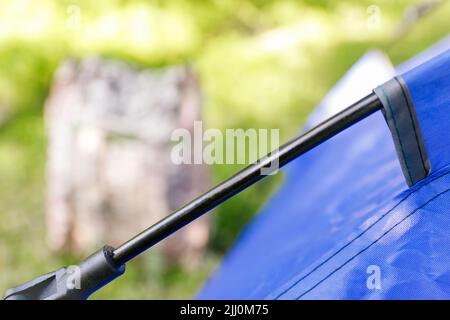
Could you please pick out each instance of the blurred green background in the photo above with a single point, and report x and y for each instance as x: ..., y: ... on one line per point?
x: 262, y: 64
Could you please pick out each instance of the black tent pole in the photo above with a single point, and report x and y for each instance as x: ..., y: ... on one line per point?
x: 109, y: 263
x: 245, y: 178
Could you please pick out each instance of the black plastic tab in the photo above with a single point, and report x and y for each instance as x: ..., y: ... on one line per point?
x: 402, y: 121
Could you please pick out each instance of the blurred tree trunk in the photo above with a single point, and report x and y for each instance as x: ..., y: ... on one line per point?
x: 109, y: 171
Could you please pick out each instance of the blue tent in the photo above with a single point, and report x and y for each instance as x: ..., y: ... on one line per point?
x: 345, y: 224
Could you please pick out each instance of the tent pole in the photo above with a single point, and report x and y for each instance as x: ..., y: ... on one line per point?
x: 108, y: 263
x: 246, y: 178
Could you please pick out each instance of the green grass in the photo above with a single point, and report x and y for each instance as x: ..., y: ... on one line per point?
x: 247, y: 83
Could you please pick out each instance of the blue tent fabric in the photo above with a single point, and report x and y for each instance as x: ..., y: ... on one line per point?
x: 429, y: 85
x: 345, y: 214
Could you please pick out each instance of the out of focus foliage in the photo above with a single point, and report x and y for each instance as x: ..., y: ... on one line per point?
x: 262, y: 64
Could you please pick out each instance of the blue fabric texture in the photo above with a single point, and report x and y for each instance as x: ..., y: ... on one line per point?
x: 429, y: 85
x: 345, y: 225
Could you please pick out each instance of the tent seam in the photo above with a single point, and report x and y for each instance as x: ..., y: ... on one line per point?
x: 374, y: 242
x: 361, y: 234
